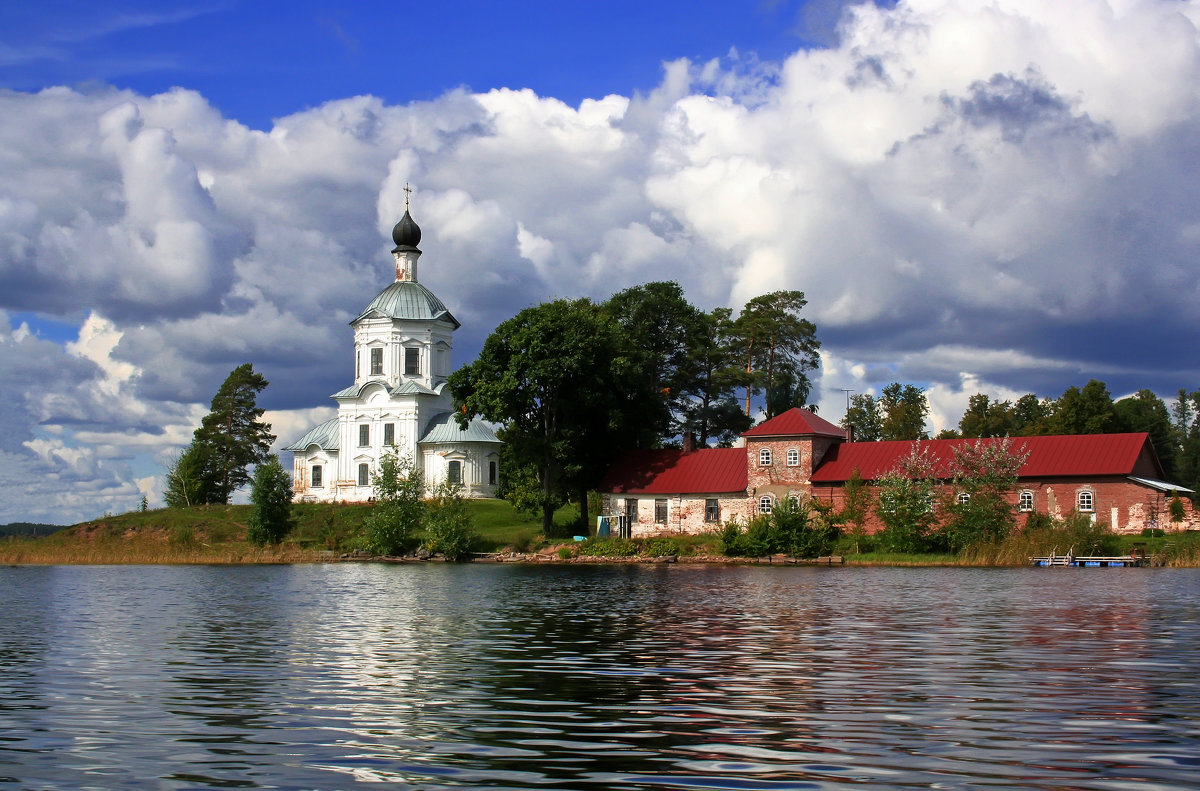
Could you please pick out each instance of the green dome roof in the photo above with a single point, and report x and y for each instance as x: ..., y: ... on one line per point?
x: 406, y: 299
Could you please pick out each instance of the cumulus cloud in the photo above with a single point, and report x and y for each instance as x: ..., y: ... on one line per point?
x: 997, y: 195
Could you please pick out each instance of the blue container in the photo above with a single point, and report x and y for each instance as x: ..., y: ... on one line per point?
x: 602, y: 527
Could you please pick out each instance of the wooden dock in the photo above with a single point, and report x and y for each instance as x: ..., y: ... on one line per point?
x: 1136, y: 560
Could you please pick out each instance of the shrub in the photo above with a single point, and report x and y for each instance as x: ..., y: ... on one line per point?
x: 271, y: 496
x: 393, y: 524
x: 449, y: 527
x: 661, y: 548
x: 1176, y: 508
x: 609, y: 548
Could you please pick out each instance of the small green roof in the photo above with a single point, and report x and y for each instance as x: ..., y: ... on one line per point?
x: 324, y: 436
x: 406, y: 299
x: 444, y: 428
x: 407, y: 387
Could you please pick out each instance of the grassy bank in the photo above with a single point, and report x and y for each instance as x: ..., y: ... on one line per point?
x: 324, y: 532
x: 217, y: 534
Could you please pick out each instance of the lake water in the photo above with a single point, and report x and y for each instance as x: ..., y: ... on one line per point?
x: 621, y: 677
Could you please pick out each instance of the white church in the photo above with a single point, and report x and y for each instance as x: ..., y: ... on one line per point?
x: 399, y: 403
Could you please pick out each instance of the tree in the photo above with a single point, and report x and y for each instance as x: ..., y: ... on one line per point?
x: 904, y: 410
x: 399, y: 508
x: 775, y: 342
x: 561, y: 380
x: 712, y: 410
x: 1145, y: 411
x: 864, y: 415
x: 856, y: 503
x: 449, y: 526
x: 186, y: 477
x: 1031, y: 416
x: 660, y: 328
x: 1085, y: 411
x: 987, y: 418
x: 984, y: 475
x: 905, y: 504
x: 229, y: 440
x: 271, y: 496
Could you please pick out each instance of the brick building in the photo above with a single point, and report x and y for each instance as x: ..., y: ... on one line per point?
x: 1117, y: 478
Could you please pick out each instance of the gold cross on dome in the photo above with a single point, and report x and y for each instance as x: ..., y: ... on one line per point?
x: 407, y: 193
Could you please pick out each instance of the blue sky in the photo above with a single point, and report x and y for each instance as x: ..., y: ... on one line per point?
x: 257, y: 61
x: 998, y: 196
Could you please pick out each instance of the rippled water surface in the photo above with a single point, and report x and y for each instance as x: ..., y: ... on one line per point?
x: 487, y: 676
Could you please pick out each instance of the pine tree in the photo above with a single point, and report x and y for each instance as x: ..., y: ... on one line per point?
x: 230, y: 439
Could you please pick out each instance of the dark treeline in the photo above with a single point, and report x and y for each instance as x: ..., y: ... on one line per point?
x: 900, y: 412
x: 27, y: 529
x: 573, y: 382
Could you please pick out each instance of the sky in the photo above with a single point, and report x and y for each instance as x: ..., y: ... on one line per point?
x: 997, y: 197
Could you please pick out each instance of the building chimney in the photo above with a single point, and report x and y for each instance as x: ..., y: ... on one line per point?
x: 689, y: 442
x: 850, y: 433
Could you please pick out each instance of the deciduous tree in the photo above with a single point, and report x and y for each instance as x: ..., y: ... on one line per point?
x: 904, y: 409
x: 399, y: 508
x: 985, y: 473
x: 864, y: 415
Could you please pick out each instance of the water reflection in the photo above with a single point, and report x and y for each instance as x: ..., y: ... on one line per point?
x: 612, y: 677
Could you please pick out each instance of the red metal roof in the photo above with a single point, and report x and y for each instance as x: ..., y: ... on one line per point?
x: 707, y: 471
x: 1049, y: 457
x: 795, y: 421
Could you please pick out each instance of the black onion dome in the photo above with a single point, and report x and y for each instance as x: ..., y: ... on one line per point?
x: 406, y: 233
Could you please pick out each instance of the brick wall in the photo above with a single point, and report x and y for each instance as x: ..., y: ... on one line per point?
x: 685, y: 513
x: 1125, y: 506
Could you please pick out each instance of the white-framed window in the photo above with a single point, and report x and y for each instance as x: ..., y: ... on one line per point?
x: 1085, y: 501
x: 964, y: 498
x: 412, y: 362
x: 492, y: 476
x: 631, y: 509
x: 316, y: 476
x: 793, y: 457
x: 1025, y: 501
x: 764, y: 457
x: 455, y: 472
x: 376, y: 361
x: 389, y: 433
x: 929, y: 502
x: 794, y: 499
x: 364, y: 435
x: 660, y: 511
x: 764, y: 504
x: 364, y: 475
x: 712, y: 510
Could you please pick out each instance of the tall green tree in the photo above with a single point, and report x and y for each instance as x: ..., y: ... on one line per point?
x: 987, y: 418
x: 231, y: 438
x: 777, y: 345
x: 1031, y: 416
x: 660, y: 327
x: 904, y: 410
x: 1145, y: 411
x: 711, y: 409
x: 271, y: 497
x: 865, y: 416
x: 1086, y: 410
x: 560, y: 379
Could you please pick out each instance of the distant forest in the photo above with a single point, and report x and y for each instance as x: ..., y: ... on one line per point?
x: 28, y: 529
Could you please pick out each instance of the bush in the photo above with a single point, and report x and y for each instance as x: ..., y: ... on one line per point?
x: 271, y: 495
x: 609, y: 548
x: 393, y: 524
x: 661, y: 548
x: 449, y: 528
